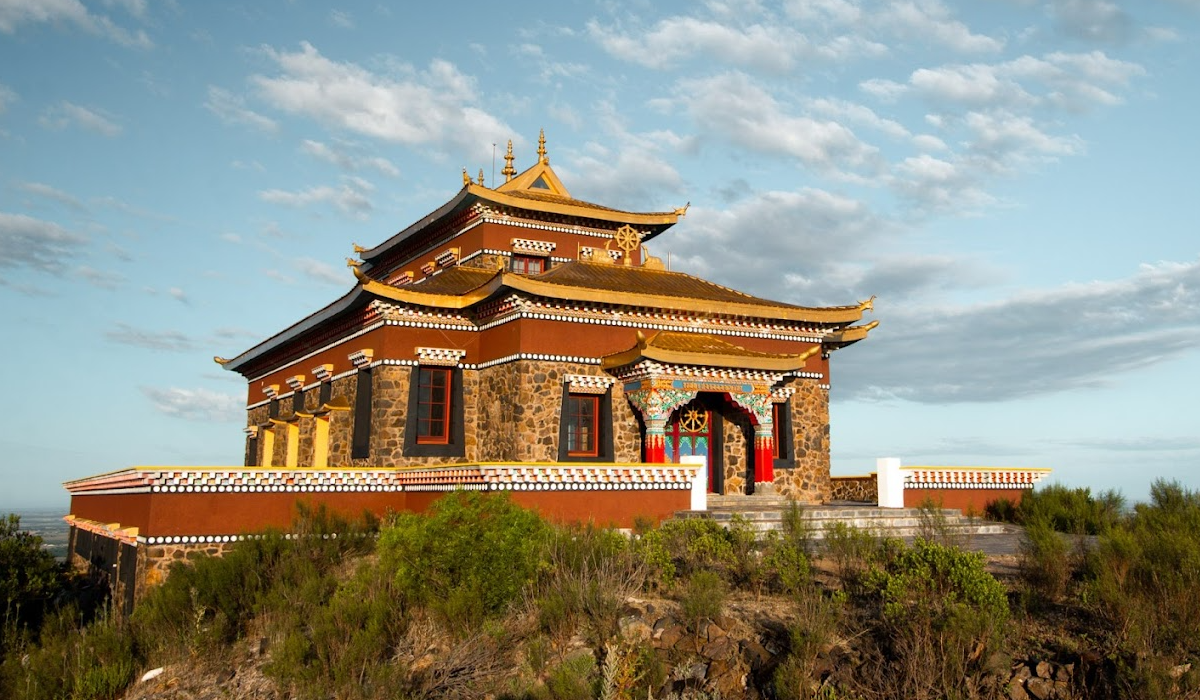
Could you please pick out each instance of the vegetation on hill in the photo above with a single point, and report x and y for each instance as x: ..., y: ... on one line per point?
x: 481, y: 598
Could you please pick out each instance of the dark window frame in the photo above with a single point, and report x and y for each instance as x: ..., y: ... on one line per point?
x: 360, y: 442
x: 604, y: 428
x: 527, y: 262
x: 583, y: 425
x: 431, y: 430
x: 783, y: 437
x: 454, y: 445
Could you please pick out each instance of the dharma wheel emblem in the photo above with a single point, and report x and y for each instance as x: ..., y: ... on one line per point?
x: 694, y: 420
x: 628, y: 240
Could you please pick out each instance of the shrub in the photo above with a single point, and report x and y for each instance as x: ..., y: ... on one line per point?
x: 941, y: 613
x: 574, y: 679
x: 29, y: 579
x: 854, y: 552
x: 1045, y: 561
x: 1002, y: 510
x: 680, y: 547
x: 704, y: 598
x: 468, y: 559
x: 71, y: 660
x: 1074, y: 511
x: 814, y: 632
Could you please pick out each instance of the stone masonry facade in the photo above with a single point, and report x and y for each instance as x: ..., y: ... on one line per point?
x: 512, y: 412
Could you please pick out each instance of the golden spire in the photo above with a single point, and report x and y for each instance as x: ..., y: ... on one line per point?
x: 466, y: 178
x: 508, y: 170
x: 542, y: 148
x: 481, y: 176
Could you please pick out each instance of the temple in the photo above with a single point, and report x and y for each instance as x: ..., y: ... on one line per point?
x: 516, y: 339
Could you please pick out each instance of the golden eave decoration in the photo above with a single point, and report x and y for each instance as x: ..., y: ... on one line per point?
x: 672, y: 347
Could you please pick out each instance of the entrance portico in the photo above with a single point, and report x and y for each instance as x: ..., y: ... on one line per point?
x: 668, y: 370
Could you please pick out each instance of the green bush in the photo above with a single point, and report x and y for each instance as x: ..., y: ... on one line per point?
x: 1073, y: 511
x: 71, y: 660
x: 941, y: 615
x: 681, y: 547
x: 1045, y: 561
x: 468, y: 559
x: 574, y: 679
x: 29, y: 579
x: 703, y: 598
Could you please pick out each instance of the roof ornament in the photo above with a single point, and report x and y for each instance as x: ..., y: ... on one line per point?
x: 682, y: 211
x: 542, y: 157
x: 628, y: 240
x: 466, y: 178
x: 358, y: 248
x: 351, y: 262
x: 481, y: 177
x: 868, y: 305
x: 508, y: 170
x: 220, y: 360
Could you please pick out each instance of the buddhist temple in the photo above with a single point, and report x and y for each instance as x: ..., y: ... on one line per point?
x: 516, y: 339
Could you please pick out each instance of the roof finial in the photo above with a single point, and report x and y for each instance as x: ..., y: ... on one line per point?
x: 508, y: 170
x: 466, y: 178
x: 542, y: 148
x: 481, y: 176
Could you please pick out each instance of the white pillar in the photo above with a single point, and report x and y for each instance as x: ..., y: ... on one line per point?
x: 889, y: 482
x: 700, y: 483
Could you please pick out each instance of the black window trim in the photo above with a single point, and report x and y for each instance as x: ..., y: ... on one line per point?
x: 455, y: 446
x: 604, y: 428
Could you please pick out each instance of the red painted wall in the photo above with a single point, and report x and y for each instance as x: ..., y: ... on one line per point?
x: 963, y: 499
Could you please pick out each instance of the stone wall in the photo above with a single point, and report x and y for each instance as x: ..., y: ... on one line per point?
x: 858, y: 489
x: 154, y: 561
x: 808, y: 480
x: 735, y: 425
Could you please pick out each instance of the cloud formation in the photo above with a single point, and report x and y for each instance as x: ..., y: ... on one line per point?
x: 405, y: 105
x: 67, y: 114
x: 1033, y: 343
x: 36, y: 244
x: 14, y: 13
x: 170, y: 340
x: 349, y: 156
x: 232, y: 109
x: 351, y: 198
x: 196, y: 404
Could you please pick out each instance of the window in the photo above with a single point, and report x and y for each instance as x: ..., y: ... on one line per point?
x: 585, y: 427
x: 528, y: 264
x: 433, y: 406
x: 783, y: 437
x: 360, y: 441
x: 434, y: 424
x: 582, y: 417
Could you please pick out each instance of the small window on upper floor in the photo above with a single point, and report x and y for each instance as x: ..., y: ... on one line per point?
x: 540, y: 184
x: 528, y: 264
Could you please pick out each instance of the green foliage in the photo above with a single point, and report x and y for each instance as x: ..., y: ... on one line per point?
x: 71, y: 660
x: 574, y: 679
x: 941, y: 612
x: 468, y: 559
x: 1045, y: 561
x: 29, y: 579
x: 703, y: 598
x: 1143, y: 580
x: 1003, y: 510
x: 681, y: 547
x: 1074, y: 511
x: 815, y: 630
x: 854, y: 551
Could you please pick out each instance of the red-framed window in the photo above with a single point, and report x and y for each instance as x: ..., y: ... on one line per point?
x: 528, y: 264
x: 777, y: 430
x: 583, y: 411
x: 433, y: 406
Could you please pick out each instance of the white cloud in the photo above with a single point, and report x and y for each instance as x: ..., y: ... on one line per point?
x: 178, y: 295
x: 172, y: 341
x: 339, y: 18
x: 405, y: 106
x: 14, y: 13
x: 45, y: 191
x: 1036, y: 342
x: 323, y: 272
x: 104, y: 279
x: 347, y: 156
x: 351, y: 198
x: 930, y: 21
x: 733, y: 107
x: 232, y: 109
x: 196, y: 404
x: 857, y: 114
x: 69, y: 114
x: 34, y: 243
x: 1092, y: 20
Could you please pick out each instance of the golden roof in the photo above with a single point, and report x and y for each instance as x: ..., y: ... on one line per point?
x: 678, y: 348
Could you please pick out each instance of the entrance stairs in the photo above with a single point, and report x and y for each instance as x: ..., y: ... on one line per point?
x: 764, y: 513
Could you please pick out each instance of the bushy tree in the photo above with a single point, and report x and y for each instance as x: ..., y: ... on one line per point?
x: 29, y: 578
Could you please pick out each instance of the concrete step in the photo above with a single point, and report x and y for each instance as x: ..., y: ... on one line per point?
x: 766, y: 513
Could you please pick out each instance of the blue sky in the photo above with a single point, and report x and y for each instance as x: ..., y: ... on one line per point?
x: 1015, y: 180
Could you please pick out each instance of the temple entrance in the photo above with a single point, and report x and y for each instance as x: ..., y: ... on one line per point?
x: 690, y: 433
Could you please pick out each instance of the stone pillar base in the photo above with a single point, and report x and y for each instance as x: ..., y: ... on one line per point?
x: 764, y: 488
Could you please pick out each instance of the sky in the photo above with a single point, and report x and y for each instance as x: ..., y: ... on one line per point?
x: 1015, y: 181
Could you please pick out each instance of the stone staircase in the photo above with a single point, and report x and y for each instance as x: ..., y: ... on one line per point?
x: 765, y: 512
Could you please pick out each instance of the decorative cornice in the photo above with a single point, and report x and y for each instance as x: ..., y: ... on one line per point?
x: 972, y: 477
x: 361, y: 358
x: 589, y: 383
x: 526, y: 246
x: 323, y: 372
x: 446, y: 258
x: 296, y: 382
x: 271, y: 390
x: 443, y: 357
